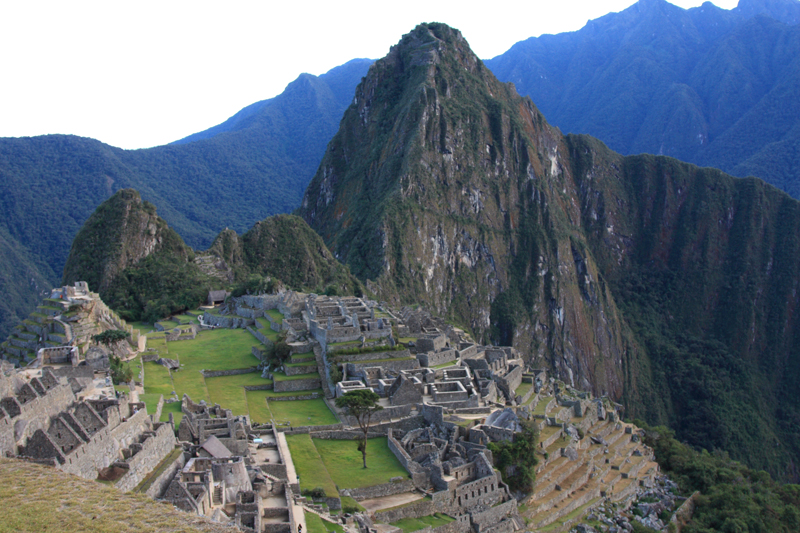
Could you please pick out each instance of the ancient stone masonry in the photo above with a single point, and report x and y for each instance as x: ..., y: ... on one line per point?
x: 42, y: 420
x: 60, y: 330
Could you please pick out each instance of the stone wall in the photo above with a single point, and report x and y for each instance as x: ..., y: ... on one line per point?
x: 226, y: 321
x: 233, y: 372
x: 298, y: 370
x: 160, y: 484
x: 261, y: 338
x: 379, y: 491
x: 436, y: 358
x: 309, y: 396
x: 347, y: 358
x: 152, y: 452
x: 491, y: 517
x: 293, y: 385
x: 397, y: 365
x: 416, y: 509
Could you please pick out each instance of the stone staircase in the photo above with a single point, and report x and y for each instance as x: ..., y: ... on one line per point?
x: 566, y: 488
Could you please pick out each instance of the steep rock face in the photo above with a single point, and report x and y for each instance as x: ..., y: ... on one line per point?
x: 122, y: 231
x: 669, y: 287
x: 444, y: 186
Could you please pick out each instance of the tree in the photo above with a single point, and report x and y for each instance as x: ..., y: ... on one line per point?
x: 110, y: 336
x: 517, y: 460
x: 360, y: 404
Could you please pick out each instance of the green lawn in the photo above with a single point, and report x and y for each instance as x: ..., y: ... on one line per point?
x: 216, y: 349
x: 168, y: 324
x: 414, y: 524
x: 190, y: 382
x: 309, y: 465
x: 175, y: 409
x: 157, y: 379
x: 302, y: 412
x: 316, y: 524
x: 311, y: 363
x: 454, y: 362
x: 257, y: 405
x: 343, y: 461
x: 229, y: 396
x: 275, y: 315
x: 297, y: 357
x: 523, y: 389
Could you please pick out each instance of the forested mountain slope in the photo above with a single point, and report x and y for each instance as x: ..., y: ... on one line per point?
x: 256, y: 164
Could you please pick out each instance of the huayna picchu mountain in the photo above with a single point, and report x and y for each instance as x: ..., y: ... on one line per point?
x: 669, y: 287
x: 142, y: 268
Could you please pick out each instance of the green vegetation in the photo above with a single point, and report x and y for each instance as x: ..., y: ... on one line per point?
x: 343, y: 459
x: 733, y: 497
x: 316, y: 524
x: 517, y: 460
x: 408, y: 525
x: 110, y: 336
x: 41, y: 499
x: 309, y: 466
x: 302, y: 412
x: 120, y: 372
x: 257, y: 406
x: 361, y: 405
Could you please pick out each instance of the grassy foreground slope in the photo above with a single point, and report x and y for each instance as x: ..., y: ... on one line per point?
x: 40, y: 499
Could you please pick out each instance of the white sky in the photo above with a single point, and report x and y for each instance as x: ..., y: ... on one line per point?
x: 142, y: 73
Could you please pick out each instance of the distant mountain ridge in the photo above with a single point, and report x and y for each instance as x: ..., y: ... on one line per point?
x: 706, y: 85
x: 256, y: 164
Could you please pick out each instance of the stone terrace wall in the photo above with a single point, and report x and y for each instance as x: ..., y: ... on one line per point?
x: 160, y: 484
x: 303, y: 369
x: 349, y: 358
x: 152, y: 453
x: 491, y: 517
x: 293, y: 385
x: 261, y: 338
x: 414, y: 510
x: 379, y: 491
x: 233, y: 372
x: 436, y: 358
x: 227, y: 321
x: 397, y: 365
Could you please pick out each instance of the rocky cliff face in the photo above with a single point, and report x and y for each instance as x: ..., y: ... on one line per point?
x: 666, y: 286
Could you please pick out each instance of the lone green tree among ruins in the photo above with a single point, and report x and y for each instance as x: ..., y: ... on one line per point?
x: 361, y: 404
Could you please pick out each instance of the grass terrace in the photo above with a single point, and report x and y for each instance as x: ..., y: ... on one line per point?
x: 542, y: 406
x: 257, y: 406
x: 275, y: 315
x: 302, y: 412
x: 38, y: 499
x: 523, y: 389
x: 309, y: 465
x: 415, y: 524
x: 343, y: 461
x: 168, y: 324
x: 316, y: 524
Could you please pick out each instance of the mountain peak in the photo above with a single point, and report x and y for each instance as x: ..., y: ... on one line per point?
x: 786, y: 11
